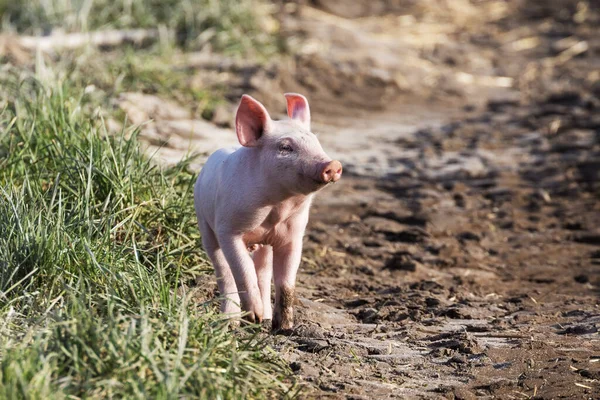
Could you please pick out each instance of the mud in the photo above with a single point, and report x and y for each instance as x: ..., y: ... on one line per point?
x: 465, y: 259
x: 456, y: 281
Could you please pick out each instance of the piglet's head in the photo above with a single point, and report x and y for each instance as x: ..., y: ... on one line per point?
x: 288, y: 154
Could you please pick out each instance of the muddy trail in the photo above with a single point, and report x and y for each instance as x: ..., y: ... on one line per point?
x: 459, y: 256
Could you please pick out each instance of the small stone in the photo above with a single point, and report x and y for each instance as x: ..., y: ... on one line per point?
x: 464, y: 394
x: 543, y: 195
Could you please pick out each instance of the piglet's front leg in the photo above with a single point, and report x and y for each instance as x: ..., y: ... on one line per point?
x: 286, y: 260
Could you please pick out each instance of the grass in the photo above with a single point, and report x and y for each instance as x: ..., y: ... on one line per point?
x: 130, y: 70
x: 96, y: 246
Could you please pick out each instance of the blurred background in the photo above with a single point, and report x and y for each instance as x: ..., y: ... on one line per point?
x: 464, y: 260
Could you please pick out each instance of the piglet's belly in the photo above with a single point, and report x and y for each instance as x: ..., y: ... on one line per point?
x: 272, y: 236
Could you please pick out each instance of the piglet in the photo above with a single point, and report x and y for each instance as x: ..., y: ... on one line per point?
x: 252, y: 205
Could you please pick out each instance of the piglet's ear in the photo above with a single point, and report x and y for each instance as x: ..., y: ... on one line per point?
x: 251, y: 121
x: 297, y: 108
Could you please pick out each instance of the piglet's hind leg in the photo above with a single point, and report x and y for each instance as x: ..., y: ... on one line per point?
x: 263, y: 262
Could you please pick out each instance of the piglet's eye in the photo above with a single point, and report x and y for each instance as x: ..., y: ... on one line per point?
x: 286, y: 148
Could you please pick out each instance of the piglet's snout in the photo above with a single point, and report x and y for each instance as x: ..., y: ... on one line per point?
x: 331, y: 172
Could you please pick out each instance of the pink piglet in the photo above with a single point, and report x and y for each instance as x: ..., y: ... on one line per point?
x: 252, y: 205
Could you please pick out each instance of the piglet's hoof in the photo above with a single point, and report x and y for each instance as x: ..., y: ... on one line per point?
x: 283, y: 322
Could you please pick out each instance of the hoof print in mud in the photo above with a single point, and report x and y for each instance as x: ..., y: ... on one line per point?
x: 412, y: 235
x: 311, y: 345
x: 402, y: 261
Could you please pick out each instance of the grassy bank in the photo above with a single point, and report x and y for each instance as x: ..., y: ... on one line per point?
x: 95, y: 245
x: 98, y: 244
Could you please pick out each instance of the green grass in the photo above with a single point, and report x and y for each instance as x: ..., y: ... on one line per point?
x: 96, y: 246
x: 238, y: 29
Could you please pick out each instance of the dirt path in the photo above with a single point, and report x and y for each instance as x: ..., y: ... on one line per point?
x: 471, y: 272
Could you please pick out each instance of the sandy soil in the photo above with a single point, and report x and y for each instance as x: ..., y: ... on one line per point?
x: 459, y: 257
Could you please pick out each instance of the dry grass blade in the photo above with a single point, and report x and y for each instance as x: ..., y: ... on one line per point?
x: 581, y: 385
